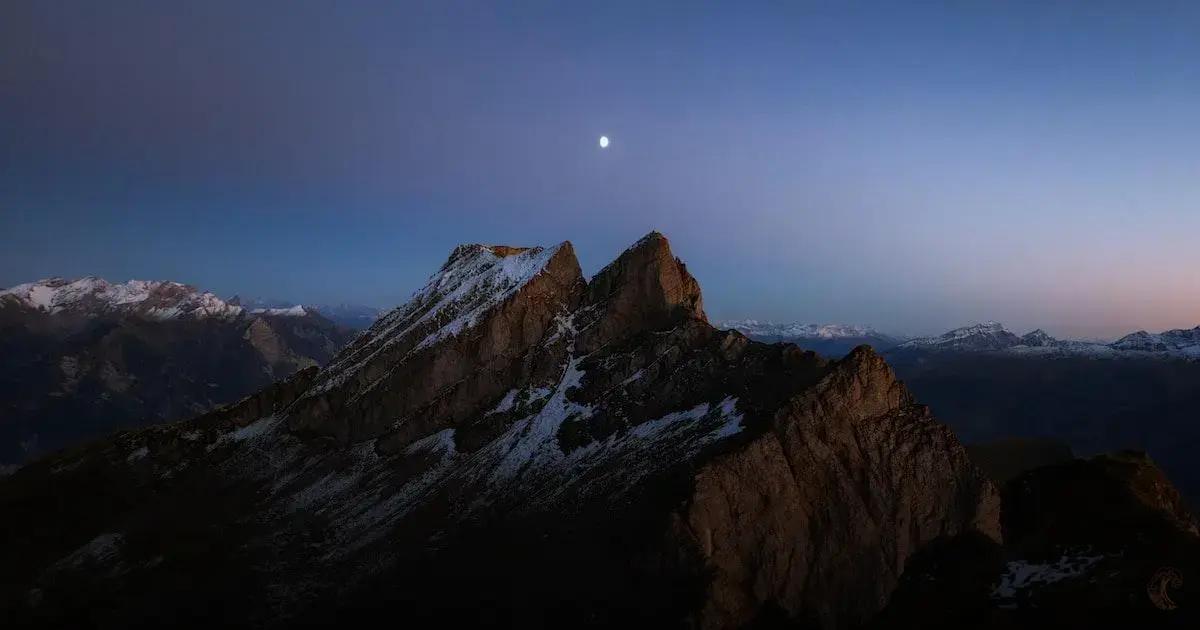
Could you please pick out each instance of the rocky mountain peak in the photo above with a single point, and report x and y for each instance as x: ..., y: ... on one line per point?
x: 645, y: 288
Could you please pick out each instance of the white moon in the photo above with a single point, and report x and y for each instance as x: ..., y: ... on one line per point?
x: 603, y: 142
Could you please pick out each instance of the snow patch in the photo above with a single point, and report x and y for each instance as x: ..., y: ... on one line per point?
x: 505, y: 403
x: 1020, y: 576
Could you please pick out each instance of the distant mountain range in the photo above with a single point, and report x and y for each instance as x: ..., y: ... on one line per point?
x: 993, y: 337
x: 79, y: 358
x: 833, y: 340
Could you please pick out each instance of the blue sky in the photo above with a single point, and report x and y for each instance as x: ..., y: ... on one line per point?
x: 911, y: 167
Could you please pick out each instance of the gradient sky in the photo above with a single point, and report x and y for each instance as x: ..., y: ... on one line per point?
x: 911, y: 167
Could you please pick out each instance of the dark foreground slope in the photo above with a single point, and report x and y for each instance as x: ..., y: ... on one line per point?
x: 513, y: 447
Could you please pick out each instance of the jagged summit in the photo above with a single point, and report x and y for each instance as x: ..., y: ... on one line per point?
x: 646, y: 287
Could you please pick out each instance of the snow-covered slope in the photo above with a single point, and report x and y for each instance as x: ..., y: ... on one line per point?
x: 95, y: 296
x: 474, y: 280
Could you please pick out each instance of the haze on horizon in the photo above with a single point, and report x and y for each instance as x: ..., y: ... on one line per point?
x: 912, y: 168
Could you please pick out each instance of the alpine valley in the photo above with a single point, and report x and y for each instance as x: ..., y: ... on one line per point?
x: 518, y: 446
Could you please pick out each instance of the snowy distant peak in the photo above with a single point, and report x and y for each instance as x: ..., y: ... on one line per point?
x: 1038, y: 338
x: 1180, y: 340
x: 94, y: 296
x: 753, y: 328
x: 988, y: 328
x: 356, y: 316
x: 291, y: 311
x: 992, y: 337
x: 985, y: 336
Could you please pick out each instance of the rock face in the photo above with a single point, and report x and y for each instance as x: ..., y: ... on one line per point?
x: 514, y: 446
x: 822, y: 511
x: 79, y: 359
x: 645, y: 288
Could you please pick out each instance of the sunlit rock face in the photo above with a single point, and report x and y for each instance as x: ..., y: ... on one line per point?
x: 515, y: 445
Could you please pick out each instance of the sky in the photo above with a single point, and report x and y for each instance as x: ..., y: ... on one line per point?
x: 911, y: 166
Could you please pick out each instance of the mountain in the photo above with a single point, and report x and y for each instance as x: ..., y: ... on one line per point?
x: 519, y: 446
x: 81, y: 358
x: 514, y: 446
x: 834, y: 340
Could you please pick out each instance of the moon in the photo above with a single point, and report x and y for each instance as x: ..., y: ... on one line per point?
x: 603, y: 142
